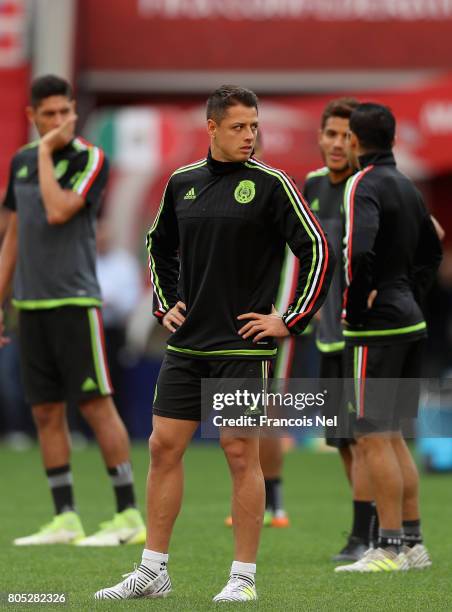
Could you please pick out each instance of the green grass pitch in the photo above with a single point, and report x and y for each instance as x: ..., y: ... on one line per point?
x: 294, y: 571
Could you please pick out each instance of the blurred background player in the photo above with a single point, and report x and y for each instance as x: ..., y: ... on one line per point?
x: 120, y: 280
x: 392, y: 254
x: 324, y: 190
x: 54, y: 193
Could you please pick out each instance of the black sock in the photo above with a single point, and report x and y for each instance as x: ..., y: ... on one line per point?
x: 363, y: 514
x: 374, y: 526
x: 122, y: 480
x: 390, y: 538
x: 412, y: 533
x: 273, y: 494
x: 60, y: 483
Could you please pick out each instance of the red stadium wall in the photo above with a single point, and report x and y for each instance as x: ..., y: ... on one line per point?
x: 14, y: 87
x: 14, y: 77
x: 264, y: 34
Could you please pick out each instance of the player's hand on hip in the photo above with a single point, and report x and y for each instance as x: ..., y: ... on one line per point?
x: 61, y: 136
x: 371, y: 298
x: 174, y: 317
x: 3, y: 339
x: 262, y: 326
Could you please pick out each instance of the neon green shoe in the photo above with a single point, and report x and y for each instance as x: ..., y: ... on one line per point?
x: 126, y: 527
x: 65, y: 528
x: 377, y: 560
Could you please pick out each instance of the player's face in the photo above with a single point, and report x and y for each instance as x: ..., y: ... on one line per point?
x: 232, y: 140
x: 50, y: 113
x: 333, y: 144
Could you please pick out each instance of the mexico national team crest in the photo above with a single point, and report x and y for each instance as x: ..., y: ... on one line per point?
x: 244, y: 192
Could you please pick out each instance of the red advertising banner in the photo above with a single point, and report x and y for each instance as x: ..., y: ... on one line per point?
x: 264, y: 34
x: 14, y: 77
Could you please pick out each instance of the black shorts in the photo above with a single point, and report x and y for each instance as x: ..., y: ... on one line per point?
x: 178, y: 389
x: 386, y: 384
x: 63, y: 355
x: 332, y: 367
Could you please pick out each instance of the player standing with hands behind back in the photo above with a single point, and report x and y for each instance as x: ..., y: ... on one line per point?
x: 392, y: 254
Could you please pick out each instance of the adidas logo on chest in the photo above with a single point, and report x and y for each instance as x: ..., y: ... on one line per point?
x: 190, y: 195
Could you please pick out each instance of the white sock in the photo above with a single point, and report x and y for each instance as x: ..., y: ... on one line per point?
x: 155, y: 561
x: 249, y: 569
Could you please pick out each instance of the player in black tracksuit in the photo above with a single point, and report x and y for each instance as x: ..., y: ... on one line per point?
x: 392, y: 253
x: 324, y: 190
x: 215, y: 253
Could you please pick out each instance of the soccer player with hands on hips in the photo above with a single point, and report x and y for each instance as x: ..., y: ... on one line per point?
x: 215, y: 253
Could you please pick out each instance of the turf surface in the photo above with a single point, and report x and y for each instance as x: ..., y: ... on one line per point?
x: 294, y: 571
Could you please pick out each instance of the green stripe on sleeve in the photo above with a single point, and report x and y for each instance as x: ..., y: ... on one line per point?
x: 157, y: 286
x: 158, y: 289
x: 87, y: 169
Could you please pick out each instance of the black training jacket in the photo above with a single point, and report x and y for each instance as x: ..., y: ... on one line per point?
x: 217, y: 244
x: 390, y: 245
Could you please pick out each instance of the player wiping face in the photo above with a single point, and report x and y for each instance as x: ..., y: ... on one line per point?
x: 54, y: 118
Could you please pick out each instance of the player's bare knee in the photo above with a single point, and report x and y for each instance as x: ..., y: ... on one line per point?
x: 164, y: 451
x: 48, y: 416
x: 239, y: 454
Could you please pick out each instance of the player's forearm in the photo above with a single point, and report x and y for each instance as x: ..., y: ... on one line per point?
x: 164, y: 274
x: 60, y: 204
x: 309, y: 296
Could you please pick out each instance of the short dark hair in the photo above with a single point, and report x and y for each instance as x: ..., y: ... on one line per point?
x: 49, y: 85
x: 226, y: 96
x: 374, y: 126
x: 340, y: 107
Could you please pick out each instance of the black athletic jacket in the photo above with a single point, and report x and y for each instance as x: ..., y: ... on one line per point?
x: 326, y: 200
x: 390, y: 245
x: 217, y: 244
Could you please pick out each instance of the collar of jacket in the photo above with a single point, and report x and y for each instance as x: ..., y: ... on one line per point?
x: 219, y: 167
x: 380, y: 158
